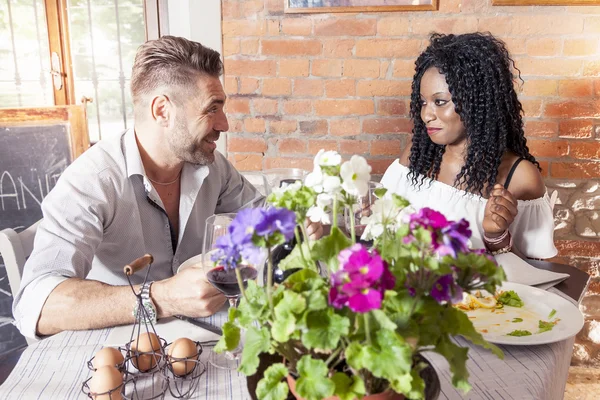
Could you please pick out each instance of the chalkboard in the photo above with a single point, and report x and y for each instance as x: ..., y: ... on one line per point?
x: 36, y: 145
x: 32, y: 158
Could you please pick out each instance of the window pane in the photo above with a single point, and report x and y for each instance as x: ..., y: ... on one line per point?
x: 105, y: 35
x: 25, y: 79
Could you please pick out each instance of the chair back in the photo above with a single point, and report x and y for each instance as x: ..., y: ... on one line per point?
x: 15, y: 248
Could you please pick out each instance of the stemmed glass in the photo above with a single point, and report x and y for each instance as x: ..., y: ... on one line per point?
x: 363, y: 209
x: 223, y: 279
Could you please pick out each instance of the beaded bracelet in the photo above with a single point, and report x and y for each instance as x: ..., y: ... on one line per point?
x: 496, y: 240
x: 505, y: 249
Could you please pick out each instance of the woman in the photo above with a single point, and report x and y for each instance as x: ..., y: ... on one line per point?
x: 469, y: 157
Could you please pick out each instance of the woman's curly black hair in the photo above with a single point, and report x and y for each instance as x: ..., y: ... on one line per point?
x: 478, y: 70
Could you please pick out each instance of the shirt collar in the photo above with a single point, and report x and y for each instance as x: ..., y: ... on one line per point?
x: 133, y: 160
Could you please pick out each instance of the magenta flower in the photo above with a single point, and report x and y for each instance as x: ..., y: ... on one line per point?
x: 361, y: 280
x: 428, y: 219
x: 445, y: 289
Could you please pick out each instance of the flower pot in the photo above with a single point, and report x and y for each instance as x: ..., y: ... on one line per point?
x: 387, y: 395
x: 429, y: 375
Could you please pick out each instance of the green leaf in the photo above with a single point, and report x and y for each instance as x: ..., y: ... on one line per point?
x: 324, y: 329
x: 295, y: 260
x: 383, y: 320
x: 327, y: 248
x: 380, y: 192
x: 417, y: 391
x: 313, y: 383
x: 457, y: 358
x: 283, y: 327
x: 545, y: 326
x: 357, y: 356
x: 400, y: 201
x: 510, y: 298
x: 517, y: 320
x: 519, y: 333
x: 456, y: 322
x: 348, y: 388
x: 402, y: 383
x: 291, y: 303
x: 230, y: 338
x: 271, y: 386
x: 316, y: 300
x: 253, y: 306
x: 552, y: 314
x: 257, y: 341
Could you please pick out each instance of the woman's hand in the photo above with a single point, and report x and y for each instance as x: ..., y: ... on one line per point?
x: 500, y: 211
x: 313, y: 229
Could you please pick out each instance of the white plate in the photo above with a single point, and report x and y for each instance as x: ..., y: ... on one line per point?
x: 538, y: 304
x: 195, y: 261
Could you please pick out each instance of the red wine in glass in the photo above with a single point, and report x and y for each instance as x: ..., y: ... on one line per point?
x: 225, y: 280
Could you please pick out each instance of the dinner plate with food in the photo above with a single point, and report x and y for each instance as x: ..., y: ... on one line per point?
x: 521, y: 315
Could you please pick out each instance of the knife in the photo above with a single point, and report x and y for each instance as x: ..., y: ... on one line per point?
x: 205, y: 325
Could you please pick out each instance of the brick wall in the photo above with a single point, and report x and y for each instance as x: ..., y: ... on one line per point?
x: 299, y: 83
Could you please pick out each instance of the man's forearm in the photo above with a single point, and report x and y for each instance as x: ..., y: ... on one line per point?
x: 78, y: 304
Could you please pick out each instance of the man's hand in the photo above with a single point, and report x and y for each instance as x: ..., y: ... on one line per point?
x: 313, y: 229
x: 187, y: 293
x: 500, y: 211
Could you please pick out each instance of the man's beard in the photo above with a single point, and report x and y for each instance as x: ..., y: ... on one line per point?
x: 184, y: 147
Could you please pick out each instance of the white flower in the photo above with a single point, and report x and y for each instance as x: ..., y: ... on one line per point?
x: 327, y: 158
x: 356, y: 174
x: 317, y: 214
x: 331, y: 184
x: 324, y: 200
x: 385, y: 215
x: 314, y: 180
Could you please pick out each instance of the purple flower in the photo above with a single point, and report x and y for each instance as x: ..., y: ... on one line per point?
x: 244, y: 224
x: 361, y: 280
x: 276, y: 220
x: 454, y: 239
x: 446, y: 290
x: 227, y: 253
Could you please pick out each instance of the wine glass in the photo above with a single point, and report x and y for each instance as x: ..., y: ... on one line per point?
x: 224, y: 279
x: 362, y: 209
x: 281, y: 177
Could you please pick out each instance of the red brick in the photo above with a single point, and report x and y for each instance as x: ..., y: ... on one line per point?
x: 346, y: 27
x: 515, y: 45
x: 345, y: 127
x: 236, y: 125
x: 545, y: 166
x: 277, y: 87
x: 313, y: 127
x: 326, y: 67
x: 544, y: 46
x: 344, y: 107
x: 291, y: 146
x: 579, y: 248
x: 295, y: 107
x: 265, y: 106
x: 573, y: 109
x: 393, y: 26
x: 231, y: 46
x: 472, y: 6
x: 249, y: 46
x: 255, y: 125
x: 461, y: 24
x: 580, y: 47
x: 450, y: 6
x: 352, y: 147
x: 546, y: 148
x: 591, y: 25
x: 251, y: 67
x: 391, y: 107
x: 246, y: 145
x: 273, y: 27
x: 541, y: 128
x: 230, y: 85
x: 252, y: 7
x: 231, y: 10
x: 308, y: 87
x: 238, y: 105
x: 575, y: 88
x: 596, y: 87
x: 384, y: 68
x: 389, y: 48
x: 549, y: 66
x: 584, y: 150
x: 272, y: 47
x: 404, y: 68
x: 274, y: 7
x: 497, y: 25
x: 293, y: 67
x: 580, y: 129
x: 566, y: 170
x: 248, y: 85
x: 338, y: 48
x: 387, y: 125
x: 380, y: 165
x: 243, y: 28
x: 296, y: 26
x: 361, y: 68
x: 315, y: 145
x: 340, y: 88
x: 283, y: 126
x: 247, y: 162
x: 540, y: 87
x: 383, y: 88
x: 289, y: 162
x: 547, y: 24
x: 386, y: 148
x: 532, y: 108
x: 591, y: 68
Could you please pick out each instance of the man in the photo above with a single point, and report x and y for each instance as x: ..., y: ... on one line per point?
x: 149, y: 190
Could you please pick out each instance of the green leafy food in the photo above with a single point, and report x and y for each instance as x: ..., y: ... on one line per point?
x: 510, y: 298
x: 271, y: 386
x: 552, y: 314
x: 545, y: 326
x: 313, y: 383
x: 519, y: 333
x: 517, y: 320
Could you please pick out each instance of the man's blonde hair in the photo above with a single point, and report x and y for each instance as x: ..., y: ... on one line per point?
x: 171, y: 61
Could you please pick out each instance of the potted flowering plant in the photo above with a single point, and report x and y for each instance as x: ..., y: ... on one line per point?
x: 355, y: 327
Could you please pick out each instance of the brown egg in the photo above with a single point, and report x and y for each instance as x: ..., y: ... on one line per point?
x: 147, y: 343
x: 183, y: 348
x: 105, y: 379
x: 108, y: 356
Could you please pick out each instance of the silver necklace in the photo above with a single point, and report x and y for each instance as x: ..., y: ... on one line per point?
x: 165, y: 183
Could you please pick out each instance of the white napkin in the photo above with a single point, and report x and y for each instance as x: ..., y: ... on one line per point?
x: 519, y: 271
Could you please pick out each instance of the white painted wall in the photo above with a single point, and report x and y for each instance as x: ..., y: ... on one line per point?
x: 200, y: 21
